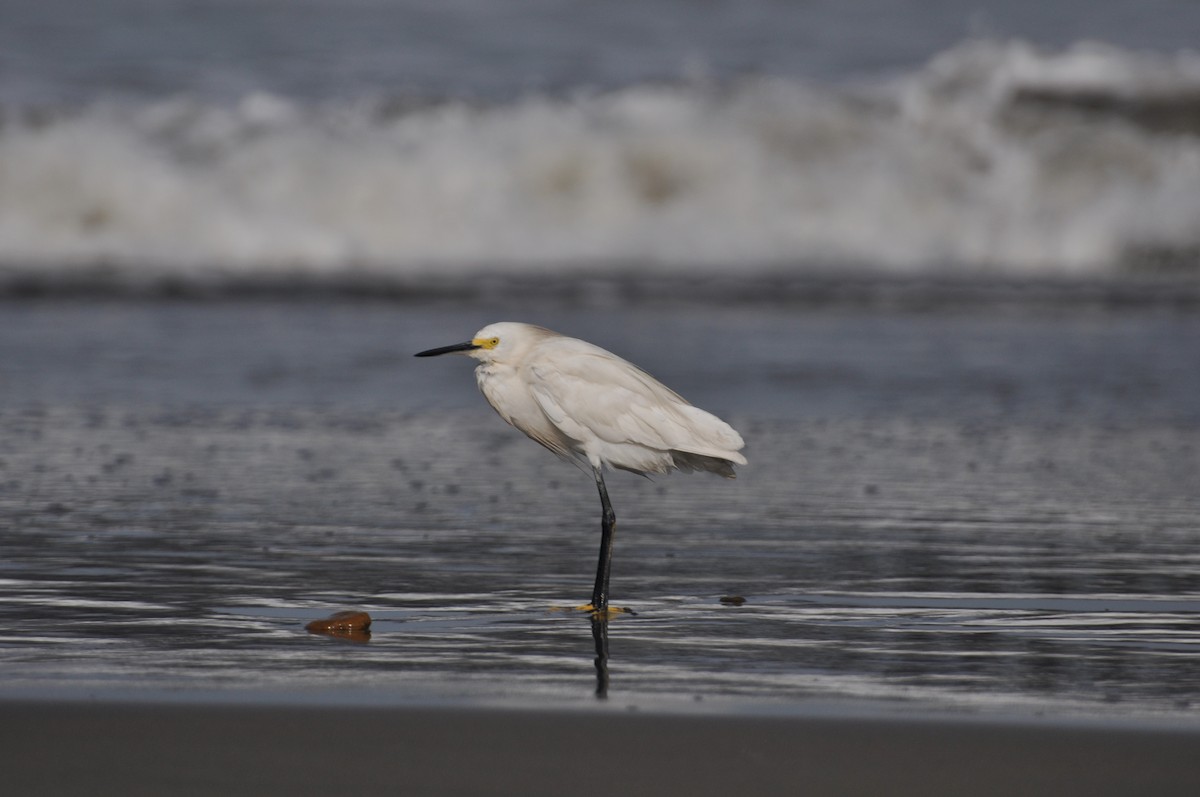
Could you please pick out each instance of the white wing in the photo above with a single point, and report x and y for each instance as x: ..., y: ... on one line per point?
x: 614, y: 408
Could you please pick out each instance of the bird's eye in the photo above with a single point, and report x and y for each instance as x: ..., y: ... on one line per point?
x: 493, y: 343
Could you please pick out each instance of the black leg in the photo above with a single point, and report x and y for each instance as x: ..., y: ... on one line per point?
x: 608, y: 522
x: 600, y: 637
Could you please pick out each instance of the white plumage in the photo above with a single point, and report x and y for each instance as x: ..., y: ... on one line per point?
x: 579, y: 400
x: 576, y: 398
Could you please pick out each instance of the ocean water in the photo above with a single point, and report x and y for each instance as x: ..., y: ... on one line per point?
x: 220, y: 141
x: 937, y: 262
x: 943, y: 512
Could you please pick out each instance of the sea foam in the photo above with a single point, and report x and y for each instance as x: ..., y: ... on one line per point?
x: 995, y: 157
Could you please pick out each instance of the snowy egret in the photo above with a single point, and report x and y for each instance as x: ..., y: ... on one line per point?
x: 588, y: 405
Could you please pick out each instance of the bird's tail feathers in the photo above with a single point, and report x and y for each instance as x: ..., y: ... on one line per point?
x: 722, y: 466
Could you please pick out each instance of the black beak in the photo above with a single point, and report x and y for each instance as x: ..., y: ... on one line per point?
x: 468, y: 346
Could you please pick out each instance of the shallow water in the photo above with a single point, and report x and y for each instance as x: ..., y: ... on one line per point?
x: 972, y: 512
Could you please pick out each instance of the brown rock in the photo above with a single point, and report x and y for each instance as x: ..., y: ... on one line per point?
x: 352, y: 625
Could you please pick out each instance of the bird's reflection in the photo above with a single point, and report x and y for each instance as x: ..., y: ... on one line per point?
x: 600, y: 637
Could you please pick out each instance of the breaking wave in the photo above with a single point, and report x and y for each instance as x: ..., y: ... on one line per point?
x: 995, y: 157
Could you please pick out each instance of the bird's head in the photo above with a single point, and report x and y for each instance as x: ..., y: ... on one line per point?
x: 502, y: 342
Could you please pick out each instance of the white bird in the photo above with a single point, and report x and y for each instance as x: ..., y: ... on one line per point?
x: 585, y: 403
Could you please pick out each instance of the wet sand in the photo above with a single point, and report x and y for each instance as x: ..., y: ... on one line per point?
x: 64, y: 749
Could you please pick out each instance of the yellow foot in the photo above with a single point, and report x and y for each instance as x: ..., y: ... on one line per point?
x: 604, y: 614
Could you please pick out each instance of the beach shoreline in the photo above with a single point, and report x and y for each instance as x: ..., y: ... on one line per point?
x: 949, y: 507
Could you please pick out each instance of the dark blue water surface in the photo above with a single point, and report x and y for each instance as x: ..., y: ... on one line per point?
x: 978, y: 511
